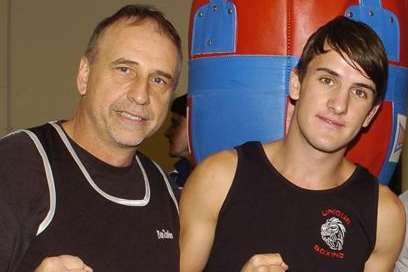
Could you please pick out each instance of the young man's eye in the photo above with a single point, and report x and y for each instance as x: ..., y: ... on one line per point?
x: 326, y: 81
x: 360, y: 93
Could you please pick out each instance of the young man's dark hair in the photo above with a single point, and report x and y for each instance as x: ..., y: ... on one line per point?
x: 136, y: 13
x: 359, y: 46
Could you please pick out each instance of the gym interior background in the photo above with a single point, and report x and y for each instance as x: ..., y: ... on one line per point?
x: 41, y: 43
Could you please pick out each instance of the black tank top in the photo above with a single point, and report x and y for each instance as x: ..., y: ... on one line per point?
x: 106, y: 235
x: 321, y: 231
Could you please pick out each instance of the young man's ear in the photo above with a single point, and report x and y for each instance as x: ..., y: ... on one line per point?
x: 83, y: 75
x: 371, y: 115
x: 294, y: 85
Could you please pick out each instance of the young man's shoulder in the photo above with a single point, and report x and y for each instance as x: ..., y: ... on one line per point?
x: 221, y: 160
x: 390, y: 206
x: 209, y: 183
x: 389, y: 201
x: 217, y: 168
x: 390, y: 232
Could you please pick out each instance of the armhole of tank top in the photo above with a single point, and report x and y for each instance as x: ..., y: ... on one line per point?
x: 375, y: 214
x: 169, y: 189
x: 50, y: 178
x: 226, y: 202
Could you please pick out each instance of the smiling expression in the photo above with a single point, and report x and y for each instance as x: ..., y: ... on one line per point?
x: 126, y: 89
x: 334, y: 101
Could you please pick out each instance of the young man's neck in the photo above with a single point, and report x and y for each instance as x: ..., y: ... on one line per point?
x: 309, y: 168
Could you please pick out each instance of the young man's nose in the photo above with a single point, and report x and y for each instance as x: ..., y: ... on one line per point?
x: 338, y: 103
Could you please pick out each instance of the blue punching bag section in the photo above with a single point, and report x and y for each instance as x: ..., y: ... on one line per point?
x: 383, y: 21
x: 231, y: 93
x: 208, y: 36
x: 241, y: 55
x: 250, y: 101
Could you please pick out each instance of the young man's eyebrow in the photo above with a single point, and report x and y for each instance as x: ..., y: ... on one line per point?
x: 363, y: 85
x: 327, y: 70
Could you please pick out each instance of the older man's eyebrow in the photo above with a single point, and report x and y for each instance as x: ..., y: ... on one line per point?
x: 135, y: 63
x: 125, y: 61
x: 164, y: 74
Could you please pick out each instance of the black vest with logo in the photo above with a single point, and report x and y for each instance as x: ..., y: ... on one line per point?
x: 107, y: 235
x: 321, y: 231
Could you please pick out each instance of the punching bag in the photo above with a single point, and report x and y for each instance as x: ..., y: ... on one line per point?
x: 241, y: 54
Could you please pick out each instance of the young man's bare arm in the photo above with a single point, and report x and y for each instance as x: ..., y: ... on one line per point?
x: 200, y: 203
x: 390, y: 233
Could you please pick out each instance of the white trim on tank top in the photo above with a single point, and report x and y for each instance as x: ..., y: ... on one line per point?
x: 49, y: 175
x: 121, y: 201
x: 51, y: 184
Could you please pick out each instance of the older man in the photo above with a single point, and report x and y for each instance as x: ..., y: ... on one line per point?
x: 79, y: 190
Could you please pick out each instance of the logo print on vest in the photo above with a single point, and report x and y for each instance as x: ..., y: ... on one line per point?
x: 164, y: 234
x: 333, y: 232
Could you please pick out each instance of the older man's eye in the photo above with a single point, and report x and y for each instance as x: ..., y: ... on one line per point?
x: 123, y: 69
x: 159, y: 80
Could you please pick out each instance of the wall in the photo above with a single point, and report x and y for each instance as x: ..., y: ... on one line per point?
x: 4, y: 26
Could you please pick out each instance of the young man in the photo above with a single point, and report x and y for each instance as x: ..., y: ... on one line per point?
x: 177, y: 134
x: 297, y: 204
x: 79, y: 190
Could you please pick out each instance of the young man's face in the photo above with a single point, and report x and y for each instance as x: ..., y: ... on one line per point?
x: 334, y: 101
x: 178, y: 136
x: 126, y: 90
